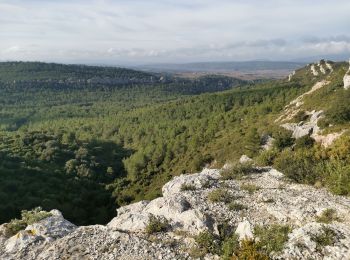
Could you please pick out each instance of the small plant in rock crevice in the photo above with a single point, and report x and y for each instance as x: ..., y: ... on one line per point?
x: 237, y: 171
x: 187, y: 187
x: 156, y: 224
x: 327, y: 216
x: 326, y: 237
x: 251, y: 188
x: 220, y: 195
x: 28, y: 217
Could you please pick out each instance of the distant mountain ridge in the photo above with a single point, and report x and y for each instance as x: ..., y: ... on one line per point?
x: 223, y: 66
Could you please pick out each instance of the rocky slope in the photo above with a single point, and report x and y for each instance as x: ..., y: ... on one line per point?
x: 271, y: 199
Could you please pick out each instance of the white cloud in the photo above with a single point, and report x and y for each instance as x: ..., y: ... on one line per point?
x: 171, y: 30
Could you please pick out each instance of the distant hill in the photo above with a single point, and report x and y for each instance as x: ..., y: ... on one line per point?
x: 224, y: 66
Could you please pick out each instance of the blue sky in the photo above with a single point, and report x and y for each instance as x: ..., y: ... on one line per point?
x: 147, y: 31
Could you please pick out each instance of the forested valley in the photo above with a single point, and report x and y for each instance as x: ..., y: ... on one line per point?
x: 86, y: 140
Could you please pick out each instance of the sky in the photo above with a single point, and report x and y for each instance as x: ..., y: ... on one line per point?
x: 172, y: 31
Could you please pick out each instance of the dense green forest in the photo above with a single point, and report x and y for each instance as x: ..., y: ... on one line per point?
x: 86, y: 140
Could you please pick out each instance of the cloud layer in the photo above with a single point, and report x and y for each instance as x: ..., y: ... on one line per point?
x: 145, y: 31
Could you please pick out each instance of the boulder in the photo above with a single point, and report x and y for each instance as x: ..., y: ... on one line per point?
x: 197, y: 180
x: 267, y: 142
x: 303, y: 245
x: 244, y: 230
x: 245, y: 159
x: 175, y: 208
x: 21, y: 240
x: 48, y: 229
x: 305, y: 128
x: 313, y: 70
x: 54, y: 226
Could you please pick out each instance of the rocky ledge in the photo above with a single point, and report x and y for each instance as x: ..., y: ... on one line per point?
x: 189, y: 207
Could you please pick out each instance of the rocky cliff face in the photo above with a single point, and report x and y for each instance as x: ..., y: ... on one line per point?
x: 265, y: 196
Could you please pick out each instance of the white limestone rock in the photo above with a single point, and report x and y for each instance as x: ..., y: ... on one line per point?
x: 328, y: 139
x: 20, y: 241
x: 276, y: 202
x: 48, y: 229
x: 313, y: 70
x: 267, y: 142
x: 244, y: 230
x: 196, y: 179
x: 54, y: 226
x: 329, y: 66
x: 302, y: 244
x: 305, y: 128
x: 173, y: 206
x: 290, y: 76
x: 245, y: 159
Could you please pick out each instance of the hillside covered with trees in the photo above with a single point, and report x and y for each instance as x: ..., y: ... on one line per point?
x: 86, y: 140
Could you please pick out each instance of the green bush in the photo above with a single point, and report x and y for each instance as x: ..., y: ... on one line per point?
x: 283, y: 139
x: 337, y: 176
x: 237, y: 171
x: 187, y: 187
x: 327, y: 216
x: 304, y: 142
x: 267, y: 157
x: 325, y: 238
x: 156, y: 224
x: 208, y: 242
x: 251, y: 188
x: 27, y: 218
x: 301, y: 116
x: 235, y: 206
x: 250, y: 251
x: 272, y: 238
x: 340, y: 112
x: 230, y: 246
x: 299, y: 166
x: 220, y: 195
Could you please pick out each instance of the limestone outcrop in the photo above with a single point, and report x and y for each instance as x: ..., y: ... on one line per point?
x: 186, y: 206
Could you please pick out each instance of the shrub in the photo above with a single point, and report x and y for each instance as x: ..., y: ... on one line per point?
x: 249, y: 251
x: 187, y: 187
x: 237, y: 171
x: 272, y: 238
x: 235, y: 206
x: 220, y: 195
x: 304, y: 142
x: 337, y: 177
x: 299, y: 166
x: 230, y: 246
x: 251, y: 188
x: 327, y: 216
x: 267, y: 157
x: 301, y: 116
x: 208, y: 242
x: 340, y: 111
x: 325, y: 238
x: 27, y: 218
x: 283, y: 139
x: 156, y: 224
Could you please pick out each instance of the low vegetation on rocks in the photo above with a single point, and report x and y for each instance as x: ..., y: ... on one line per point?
x: 250, y: 188
x: 328, y: 216
x: 156, y: 224
x: 326, y: 237
x: 272, y: 238
x: 28, y: 217
x: 237, y: 171
x: 187, y: 187
x: 220, y: 195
